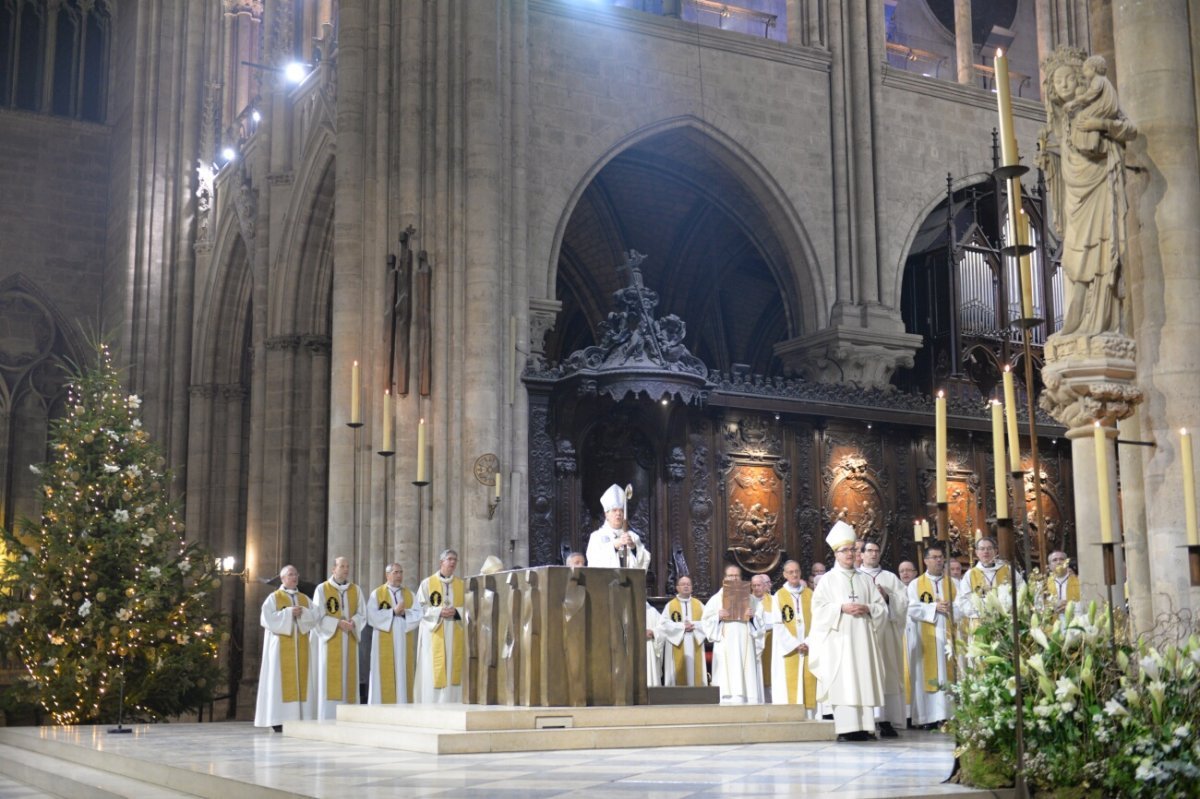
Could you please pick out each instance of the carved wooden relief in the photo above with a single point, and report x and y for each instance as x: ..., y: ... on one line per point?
x: 755, y: 501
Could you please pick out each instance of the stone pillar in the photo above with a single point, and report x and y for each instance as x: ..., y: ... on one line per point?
x: 1089, y: 379
x: 964, y: 44
x: 1155, y: 72
x: 1045, y: 34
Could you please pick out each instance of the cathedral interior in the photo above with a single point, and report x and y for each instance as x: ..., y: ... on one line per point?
x: 782, y: 214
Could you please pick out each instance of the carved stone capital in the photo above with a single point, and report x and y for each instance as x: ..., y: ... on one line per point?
x: 1089, y: 378
x: 862, y: 347
x: 542, y: 315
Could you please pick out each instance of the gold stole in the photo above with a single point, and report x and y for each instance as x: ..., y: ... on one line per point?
x: 766, y: 653
x: 1072, y: 587
x: 979, y: 583
x: 387, y: 654
x: 433, y: 590
x: 674, y: 612
x: 793, y: 659
x: 293, y: 655
x: 334, y: 680
x: 929, y: 648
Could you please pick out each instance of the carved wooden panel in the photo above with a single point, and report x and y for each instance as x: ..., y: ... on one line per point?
x: 752, y: 517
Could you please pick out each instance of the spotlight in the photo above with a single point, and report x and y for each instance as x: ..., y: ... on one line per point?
x: 868, y: 425
x: 777, y: 417
x: 295, y: 72
x: 229, y: 154
x: 665, y: 401
x: 257, y: 117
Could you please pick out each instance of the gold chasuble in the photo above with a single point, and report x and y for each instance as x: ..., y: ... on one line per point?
x: 793, y: 661
x: 293, y: 653
x: 433, y: 590
x: 674, y: 611
x: 387, y: 652
x: 767, y: 606
x: 929, y: 647
x: 334, y: 679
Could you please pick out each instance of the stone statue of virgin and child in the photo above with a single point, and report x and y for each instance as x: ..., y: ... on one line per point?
x: 1082, y: 150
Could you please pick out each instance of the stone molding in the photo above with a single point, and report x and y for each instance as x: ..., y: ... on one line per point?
x: 543, y: 313
x: 1090, y: 378
x: 863, y: 355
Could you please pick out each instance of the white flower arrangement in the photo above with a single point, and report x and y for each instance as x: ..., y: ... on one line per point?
x: 85, y: 608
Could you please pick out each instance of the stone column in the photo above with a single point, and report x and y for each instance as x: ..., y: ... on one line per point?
x: 1089, y: 379
x: 964, y: 45
x: 1045, y: 33
x: 1155, y: 73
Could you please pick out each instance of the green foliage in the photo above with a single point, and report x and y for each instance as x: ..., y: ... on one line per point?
x: 1097, y: 719
x: 105, y: 583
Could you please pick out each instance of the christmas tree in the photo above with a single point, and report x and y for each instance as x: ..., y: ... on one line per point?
x: 105, y: 588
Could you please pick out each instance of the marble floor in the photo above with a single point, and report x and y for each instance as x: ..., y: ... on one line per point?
x: 913, y: 765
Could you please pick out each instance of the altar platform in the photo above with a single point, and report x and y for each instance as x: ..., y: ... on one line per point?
x: 234, y: 760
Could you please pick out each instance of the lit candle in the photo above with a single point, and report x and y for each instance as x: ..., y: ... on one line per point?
x: 1008, y: 136
x: 940, y: 438
x: 1189, y: 487
x: 497, y: 485
x: 917, y: 534
x: 355, y: 411
x: 421, y: 477
x: 1025, y: 273
x: 1010, y: 416
x: 1100, y: 437
x: 385, y: 444
x: 925, y: 528
x: 998, y: 460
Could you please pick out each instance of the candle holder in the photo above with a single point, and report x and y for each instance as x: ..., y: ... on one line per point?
x: 1194, y: 562
x: 493, y: 504
x: 1009, y: 172
x: 1006, y: 540
x: 1110, y: 579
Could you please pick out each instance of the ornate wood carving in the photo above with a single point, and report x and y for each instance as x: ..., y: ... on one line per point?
x: 701, y: 508
x: 542, y: 465
x: 752, y: 517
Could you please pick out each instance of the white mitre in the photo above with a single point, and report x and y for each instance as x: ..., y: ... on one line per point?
x: 491, y: 565
x: 613, y: 498
x: 840, y: 535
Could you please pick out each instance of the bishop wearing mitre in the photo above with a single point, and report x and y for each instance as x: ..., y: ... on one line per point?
x: 614, y: 545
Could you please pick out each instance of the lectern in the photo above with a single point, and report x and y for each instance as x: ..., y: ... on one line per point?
x: 554, y: 636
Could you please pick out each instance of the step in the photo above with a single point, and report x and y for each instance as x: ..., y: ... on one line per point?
x: 152, y: 772
x: 69, y: 780
x: 469, y: 718
x: 447, y: 742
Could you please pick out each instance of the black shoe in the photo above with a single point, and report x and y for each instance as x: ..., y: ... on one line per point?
x: 844, y: 737
x: 886, y: 730
x: 277, y: 727
x: 908, y: 725
x: 869, y: 736
x: 827, y: 717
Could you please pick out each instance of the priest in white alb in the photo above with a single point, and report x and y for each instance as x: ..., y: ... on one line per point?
x: 679, y: 628
x: 614, y: 545
x: 792, y: 679
x: 735, y: 639
x: 654, y: 647
x: 341, y: 616
x: 760, y: 585
x: 930, y: 601
x: 442, y: 642
x: 285, y: 679
x: 393, y: 615
x: 843, y: 650
x: 988, y: 574
x: 891, y: 639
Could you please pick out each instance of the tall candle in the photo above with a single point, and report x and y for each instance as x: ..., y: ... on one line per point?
x: 497, y: 484
x: 1103, y: 489
x: 1026, y: 266
x: 1189, y: 487
x: 355, y: 404
x: 1008, y: 136
x: 940, y: 439
x: 917, y: 535
x: 998, y: 459
x: 385, y: 444
x: 925, y: 528
x: 1010, y: 416
x: 421, y: 476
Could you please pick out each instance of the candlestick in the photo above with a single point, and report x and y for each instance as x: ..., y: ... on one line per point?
x: 1010, y: 415
x: 355, y: 404
x: 1100, y: 437
x: 385, y: 439
x: 1008, y: 136
x: 940, y: 437
x: 1001, y: 485
x: 1189, y: 487
x: 422, y: 477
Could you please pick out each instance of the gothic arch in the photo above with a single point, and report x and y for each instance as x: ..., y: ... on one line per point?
x: 782, y: 238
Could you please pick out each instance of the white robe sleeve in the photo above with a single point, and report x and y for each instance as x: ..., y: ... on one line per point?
x: 359, y: 619
x: 379, y: 619
x: 277, y: 620
x: 918, y: 610
x: 431, y: 615
x: 964, y: 600
x: 326, y: 625
x: 710, y: 620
